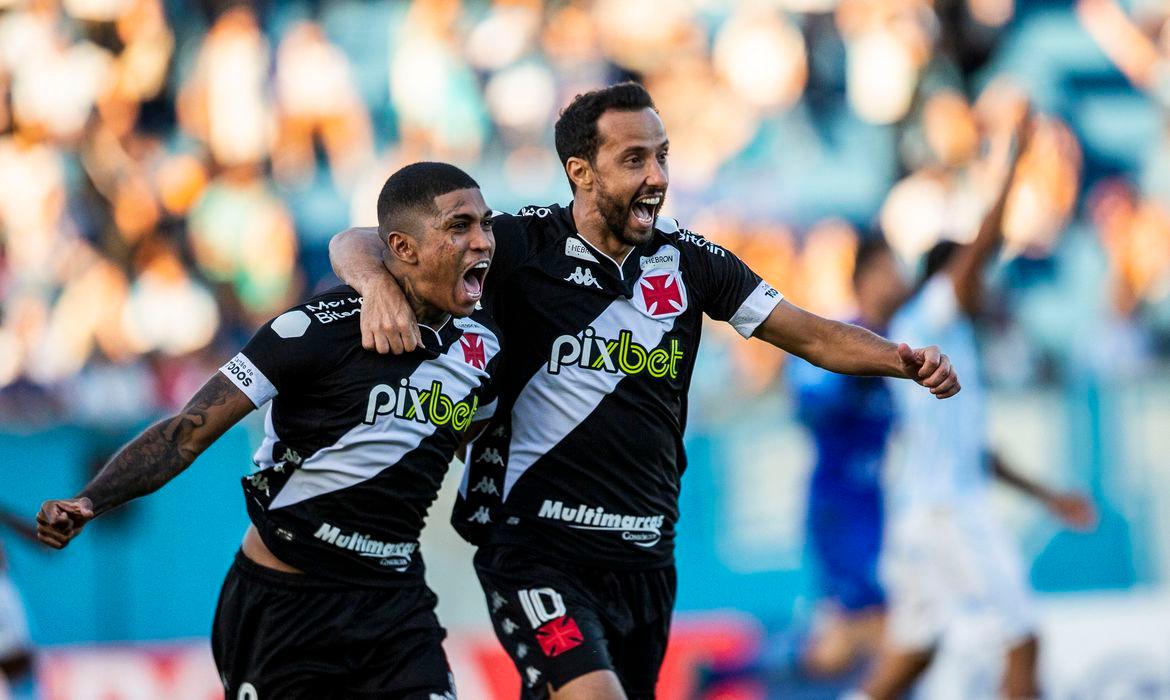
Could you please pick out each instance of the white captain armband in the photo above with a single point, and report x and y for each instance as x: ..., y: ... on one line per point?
x: 755, y: 309
x: 249, y: 379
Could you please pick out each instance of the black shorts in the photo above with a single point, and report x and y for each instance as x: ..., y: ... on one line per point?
x: 280, y: 635
x: 560, y: 621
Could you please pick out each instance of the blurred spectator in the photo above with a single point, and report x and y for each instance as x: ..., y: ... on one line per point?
x: 945, y: 198
x: 1141, y: 51
x: 888, y: 43
x: 432, y: 89
x: 226, y: 101
x: 317, y: 101
x: 242, y: 236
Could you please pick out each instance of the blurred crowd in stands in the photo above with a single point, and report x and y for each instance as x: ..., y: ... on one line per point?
x: 170, y: 172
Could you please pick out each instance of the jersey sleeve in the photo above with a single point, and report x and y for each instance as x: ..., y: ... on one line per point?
x: 284, y: 353
x: 730, y: 290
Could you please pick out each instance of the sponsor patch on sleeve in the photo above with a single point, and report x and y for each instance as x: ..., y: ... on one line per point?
x: 755, y: 309
x: 249, y: 379
x: 291, y: 324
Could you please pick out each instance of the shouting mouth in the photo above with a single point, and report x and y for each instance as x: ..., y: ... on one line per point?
x: 473, y: 279
x: 644, y: 209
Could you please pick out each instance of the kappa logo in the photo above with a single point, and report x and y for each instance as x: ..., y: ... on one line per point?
x: 500, y: 432
x: 662, y: 293
x: 541, y: 605
x: 521, y: 650
x: 487, y: 486
x: 508, y: 626
x: 498, y: 601
x: 260, y: 482
x: 583, y: 277
x: 473, y: 350
x: 533, y: 676
x: 481, y: 516
x: 491, y: 455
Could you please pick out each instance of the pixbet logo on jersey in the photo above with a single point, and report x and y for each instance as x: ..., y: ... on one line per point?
x: 623, y: 355
x: 642, y: 530
x: 422, y: 405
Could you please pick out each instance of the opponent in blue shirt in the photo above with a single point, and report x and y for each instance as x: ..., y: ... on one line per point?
x: 850, y: 420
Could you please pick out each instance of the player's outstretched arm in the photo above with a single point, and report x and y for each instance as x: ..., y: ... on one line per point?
x: 18, y: 525
x: 148, y: 462
x: 966, y: 271
x: 388, y: 323
x: 1073, y: 509
x: 848, y: 349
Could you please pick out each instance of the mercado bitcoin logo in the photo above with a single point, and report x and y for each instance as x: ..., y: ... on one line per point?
x: 422, y: 405
x: 621, y: 355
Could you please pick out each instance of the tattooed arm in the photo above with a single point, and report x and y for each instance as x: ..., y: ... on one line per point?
x: 152, y: 459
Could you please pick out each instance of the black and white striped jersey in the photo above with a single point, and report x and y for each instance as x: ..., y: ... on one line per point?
x: 583, y: 457
x: 356, y: 443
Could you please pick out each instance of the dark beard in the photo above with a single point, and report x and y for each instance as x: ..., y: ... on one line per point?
x: 616, y: 215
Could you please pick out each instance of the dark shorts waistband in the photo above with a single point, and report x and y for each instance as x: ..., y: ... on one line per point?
x: 283, y: 579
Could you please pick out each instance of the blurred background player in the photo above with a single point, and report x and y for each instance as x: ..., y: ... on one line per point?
x: 850, y: 420
x: 16, y: 649
x: 946, y: 554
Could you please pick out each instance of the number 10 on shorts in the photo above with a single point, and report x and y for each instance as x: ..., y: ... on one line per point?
x: 541, y: 605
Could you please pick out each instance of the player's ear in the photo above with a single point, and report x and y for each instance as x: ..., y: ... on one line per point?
x: 402, y: 247
x: 580, y: 173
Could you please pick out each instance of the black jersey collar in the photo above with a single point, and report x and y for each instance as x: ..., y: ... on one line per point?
x: 437, y: 340
x: 626, y: 271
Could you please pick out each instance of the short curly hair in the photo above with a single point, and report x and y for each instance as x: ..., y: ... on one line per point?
x: 576, y: 128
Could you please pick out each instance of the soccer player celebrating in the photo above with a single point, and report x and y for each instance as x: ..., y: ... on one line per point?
x: 572, y: 492
x: 945, y: 551
x: 326, y: 597
x: 850, y: 420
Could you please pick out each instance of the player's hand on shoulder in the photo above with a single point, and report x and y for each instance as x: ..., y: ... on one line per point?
x: 59, y: 521
x: 931, y: 368
x: 388, y: 323
x: 1074, y: 510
